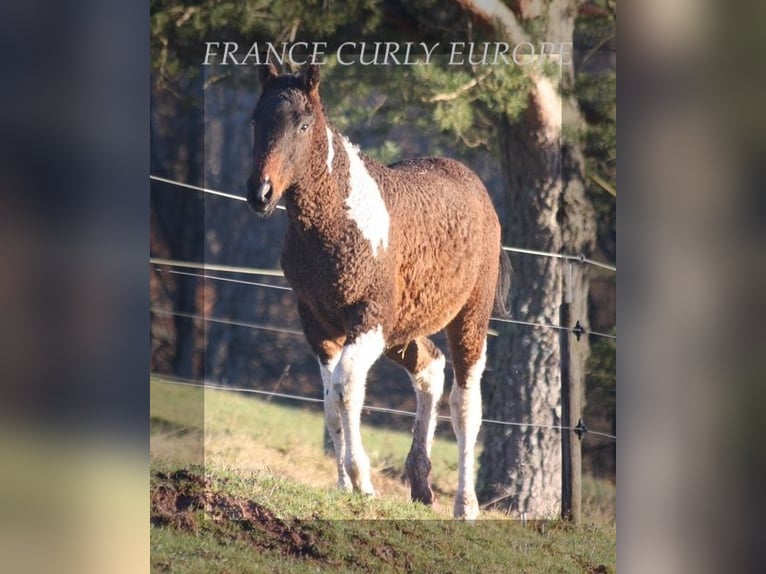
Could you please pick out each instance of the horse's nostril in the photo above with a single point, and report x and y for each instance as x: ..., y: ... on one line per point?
x: 265, y: 191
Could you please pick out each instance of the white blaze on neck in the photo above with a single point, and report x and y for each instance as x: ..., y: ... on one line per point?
x: 365, y: 204
x: 330, y: 150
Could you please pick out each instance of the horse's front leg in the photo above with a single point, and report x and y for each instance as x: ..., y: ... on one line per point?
x: 348, y: 380
x: 328, y: 350
x: 332, y: 409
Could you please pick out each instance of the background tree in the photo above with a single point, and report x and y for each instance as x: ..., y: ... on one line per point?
x: 547, y: 210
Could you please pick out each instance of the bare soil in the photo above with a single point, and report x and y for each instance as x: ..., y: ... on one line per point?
x: 186, y: 501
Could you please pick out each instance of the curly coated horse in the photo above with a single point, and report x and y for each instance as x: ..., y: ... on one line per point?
x: 380, y: 257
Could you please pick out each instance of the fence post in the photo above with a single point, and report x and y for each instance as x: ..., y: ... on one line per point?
x: 571, y: 391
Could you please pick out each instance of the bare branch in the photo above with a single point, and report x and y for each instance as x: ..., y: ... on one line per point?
x: 186, y: 16
x: 597, y: 47
x: 488, y: 11
x: 545, y: 94
x: 603, y: 184
x: 449, y: 96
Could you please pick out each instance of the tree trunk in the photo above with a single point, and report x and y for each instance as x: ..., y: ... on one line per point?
x: 547, y: 211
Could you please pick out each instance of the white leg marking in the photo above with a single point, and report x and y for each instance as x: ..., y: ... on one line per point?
x: 429, y: 386
x: 365, y: 204
x: 349, y: 380
x: 330, y: 149
x: 332, y: 420
x: 465, y: 408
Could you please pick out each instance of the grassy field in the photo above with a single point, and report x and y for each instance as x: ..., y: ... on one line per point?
x: 263, y: 500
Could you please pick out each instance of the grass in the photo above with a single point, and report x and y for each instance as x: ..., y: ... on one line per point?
x: 264, y: 501
x: 251, y: 434
x: 267, y: 523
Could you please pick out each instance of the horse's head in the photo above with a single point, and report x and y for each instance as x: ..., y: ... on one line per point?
x: 283, y: 122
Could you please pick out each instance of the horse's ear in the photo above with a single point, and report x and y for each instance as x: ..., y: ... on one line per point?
x: 266, y: 73
x: 311, y: 78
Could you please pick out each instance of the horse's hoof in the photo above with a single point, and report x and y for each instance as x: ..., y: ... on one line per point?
x: 467, y: 514
x: 422, y: 492
x: 425, y: 496
x: 368, y: 491
x: 466, y: 508
x: 418, y: 469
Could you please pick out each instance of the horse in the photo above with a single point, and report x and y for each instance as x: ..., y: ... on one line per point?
x: 380, y: 258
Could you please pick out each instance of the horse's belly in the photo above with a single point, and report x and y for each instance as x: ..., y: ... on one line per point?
x: 422, y: 313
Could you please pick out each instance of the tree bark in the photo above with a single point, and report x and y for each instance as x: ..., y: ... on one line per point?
x: 547, y: 211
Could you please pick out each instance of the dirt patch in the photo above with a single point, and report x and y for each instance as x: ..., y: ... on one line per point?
x: 186, y: 500
x: 592, y: 568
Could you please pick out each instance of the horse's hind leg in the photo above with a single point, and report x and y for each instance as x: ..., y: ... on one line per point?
x: 425, y: 364
x: 467, y: 335
x: 328, y: 351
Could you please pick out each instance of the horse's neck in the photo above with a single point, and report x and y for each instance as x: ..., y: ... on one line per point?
x: 317, y: 204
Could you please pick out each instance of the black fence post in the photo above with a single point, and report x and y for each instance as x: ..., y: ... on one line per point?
x: 571, y: 407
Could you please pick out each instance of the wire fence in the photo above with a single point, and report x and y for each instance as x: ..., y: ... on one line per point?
x: 204, y: 384
x: 577, y: 329
x: 222, y: 321
x: 580, y: 258
x: 164, y: 265
x: 202, y: 189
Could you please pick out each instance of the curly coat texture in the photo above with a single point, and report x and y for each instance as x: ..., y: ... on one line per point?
x: 440, y: 265
x: 421, y: 255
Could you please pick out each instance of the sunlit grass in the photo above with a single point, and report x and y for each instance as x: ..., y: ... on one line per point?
x: 272, y: 455
x: 243, y: 434
x: 346, y: 532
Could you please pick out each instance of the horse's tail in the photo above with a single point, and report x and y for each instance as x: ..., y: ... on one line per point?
x: 501, y: 308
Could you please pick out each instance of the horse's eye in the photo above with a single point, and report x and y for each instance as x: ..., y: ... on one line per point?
x: 303, y: 127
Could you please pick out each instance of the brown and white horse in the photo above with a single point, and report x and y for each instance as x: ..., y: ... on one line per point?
x: 380, y: 257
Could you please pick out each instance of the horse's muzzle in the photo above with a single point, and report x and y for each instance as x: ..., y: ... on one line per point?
x: 260, y: 196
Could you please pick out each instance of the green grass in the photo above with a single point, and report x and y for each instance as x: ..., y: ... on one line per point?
x: 268, y: 457
x: 303, y: 529
x: 249, y: 433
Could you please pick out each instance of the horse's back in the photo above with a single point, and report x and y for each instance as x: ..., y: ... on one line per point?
x: 435, y: 170
x: 440, y: 194
x: 447, y: 237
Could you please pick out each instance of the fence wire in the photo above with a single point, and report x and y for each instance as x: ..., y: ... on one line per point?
x: 226, y: 279
x: 580, y: 258
x: 204, y: 384
x: 202, y: 189
x: 275, y: 273
x: 226, y: 321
